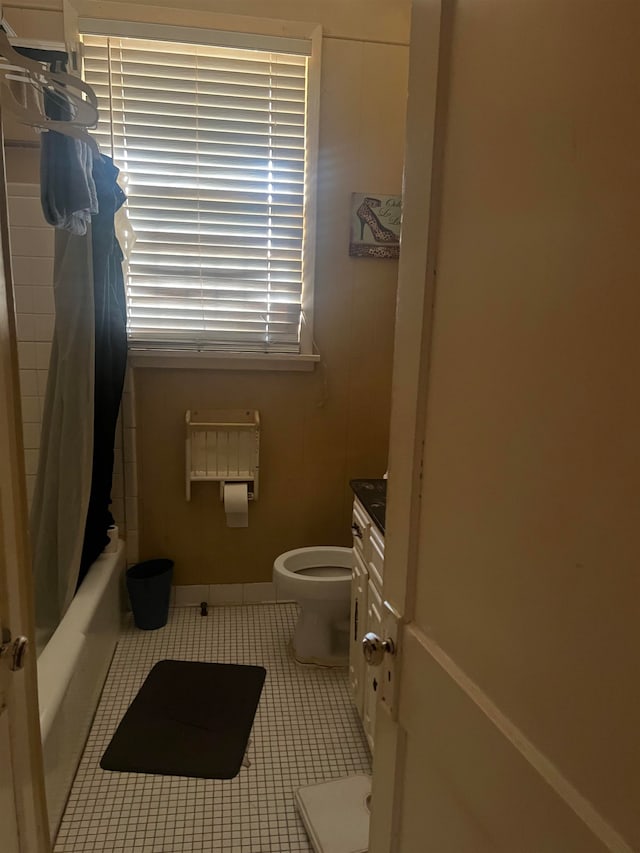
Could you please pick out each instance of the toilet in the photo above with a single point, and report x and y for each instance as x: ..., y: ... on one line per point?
x: 319, y: 580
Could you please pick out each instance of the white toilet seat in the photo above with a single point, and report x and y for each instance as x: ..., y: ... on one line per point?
x: 291, y: 580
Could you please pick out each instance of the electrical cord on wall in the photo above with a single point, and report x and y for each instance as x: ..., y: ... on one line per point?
x: 325, y: 382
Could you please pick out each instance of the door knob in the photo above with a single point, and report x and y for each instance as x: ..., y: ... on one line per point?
x: 20, y: 648
x: 15, y: 650
x: 374, y: 649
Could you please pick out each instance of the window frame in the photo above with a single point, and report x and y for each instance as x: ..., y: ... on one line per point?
x: 224, y: 30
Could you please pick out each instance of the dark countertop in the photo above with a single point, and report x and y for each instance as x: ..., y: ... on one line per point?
x: 372, y: 494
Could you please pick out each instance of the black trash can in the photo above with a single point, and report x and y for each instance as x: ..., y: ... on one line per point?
x: 149, y: 588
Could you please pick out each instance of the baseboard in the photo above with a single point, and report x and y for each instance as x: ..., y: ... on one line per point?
x: 191, y: 595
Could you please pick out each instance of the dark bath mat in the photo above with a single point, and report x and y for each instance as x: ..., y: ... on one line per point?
x: 188, y: 719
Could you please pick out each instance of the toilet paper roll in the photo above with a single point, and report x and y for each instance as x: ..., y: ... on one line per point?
x: 236, y: 504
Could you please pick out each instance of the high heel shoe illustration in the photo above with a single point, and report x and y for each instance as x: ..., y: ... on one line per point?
x: 381, y: 234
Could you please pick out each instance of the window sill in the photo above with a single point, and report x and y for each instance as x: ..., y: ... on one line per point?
x: 188, y: 360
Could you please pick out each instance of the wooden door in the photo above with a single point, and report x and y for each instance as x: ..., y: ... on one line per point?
x: 23, y: 821
x: 510, y: 707
x: 8, y: 806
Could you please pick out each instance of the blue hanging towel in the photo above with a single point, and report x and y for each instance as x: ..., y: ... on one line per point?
x: 67, y: 189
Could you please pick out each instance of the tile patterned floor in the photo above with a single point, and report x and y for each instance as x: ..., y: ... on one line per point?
x: 306, y: 730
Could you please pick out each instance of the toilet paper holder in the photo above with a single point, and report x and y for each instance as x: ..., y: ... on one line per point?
x: 223, y: 445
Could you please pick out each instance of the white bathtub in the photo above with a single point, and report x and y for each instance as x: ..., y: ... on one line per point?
x: 72, y: 669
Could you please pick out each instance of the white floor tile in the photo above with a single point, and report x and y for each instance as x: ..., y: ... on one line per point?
x: 306, y: 730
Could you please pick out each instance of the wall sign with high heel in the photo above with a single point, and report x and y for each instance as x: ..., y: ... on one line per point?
x: 375, y: 225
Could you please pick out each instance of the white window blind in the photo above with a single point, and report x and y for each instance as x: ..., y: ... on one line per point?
x: 212, y: 142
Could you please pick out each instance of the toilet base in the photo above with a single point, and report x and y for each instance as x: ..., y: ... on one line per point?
x: 319, y: 580
x: 321, y: 636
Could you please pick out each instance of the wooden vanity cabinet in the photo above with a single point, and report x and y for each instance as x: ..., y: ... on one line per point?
x: 366, y: 613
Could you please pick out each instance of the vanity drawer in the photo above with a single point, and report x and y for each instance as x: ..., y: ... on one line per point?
x: 375, y: 556
x: 359, y: 623
x: 360, y: 524
x: 371, y: 674
x: 360, y: 567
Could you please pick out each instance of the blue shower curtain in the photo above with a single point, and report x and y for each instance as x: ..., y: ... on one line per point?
x: 70, y: 509
x: 110, y: 356
x: 63, y: 482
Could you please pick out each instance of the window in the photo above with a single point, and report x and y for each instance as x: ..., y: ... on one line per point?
x: 212, y: 140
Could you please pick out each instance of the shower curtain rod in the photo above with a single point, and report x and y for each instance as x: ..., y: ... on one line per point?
x: 41, y: 51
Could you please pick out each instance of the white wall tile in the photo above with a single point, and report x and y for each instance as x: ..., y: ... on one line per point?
x: 43, y: 302
x: 44, y: 327
x: 31, y: 484
x: 30, y: 410
x: 283, y: 599
x: 23, y: 298
x: 117, y: 484
x: 128, y: 410
x: 27, y: 355
x: 43, y: 355
x: 32, y: 240
x: 225, y: 593
x: 191, y: 595
x: 128, y: 454
x: 132, y: 548
x: 130, y: 445
x: 131, y: 507
x: 117, y: 511
x: 31, y: 435
x: 24, y: 211
x: 32, y: 249
x: 117, y: 493
x: 28, y: 383
x: 129, y: 381
x: 26, y: 327
x: 20, y: 189
x: 118, y: 437
x: 31, y: 462
x: 254, y: 593
x: 42, y: 376
x: 131, y: 480
x: 33, y: 272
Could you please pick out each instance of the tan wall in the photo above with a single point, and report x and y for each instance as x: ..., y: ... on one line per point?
x: 529, y: 574
x: 318, y: 429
